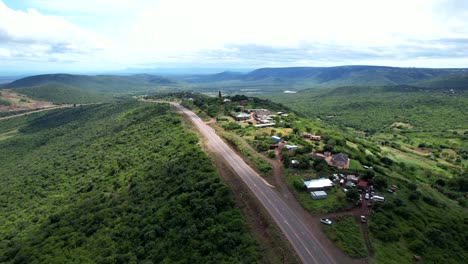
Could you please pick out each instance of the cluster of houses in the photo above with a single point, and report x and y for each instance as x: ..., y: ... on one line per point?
x: 318, y: 187
x: 340, y: 160
x: 262, y: 117
x: 277, y: 140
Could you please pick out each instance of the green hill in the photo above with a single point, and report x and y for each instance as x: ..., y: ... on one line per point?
x: 59, y: 94
x: 98, y: 84
x: 374, y: 108
x: 457, y: 82
x: 113, y: 183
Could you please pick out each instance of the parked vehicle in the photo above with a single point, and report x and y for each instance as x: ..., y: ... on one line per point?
x: 363, y: 219
x: 366, y: 196
x: 378, y: 198
x: 326, y: 221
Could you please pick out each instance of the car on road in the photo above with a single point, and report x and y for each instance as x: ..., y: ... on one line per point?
x: 366, y: 196
x: 326, y: 221
x: 363, y: 219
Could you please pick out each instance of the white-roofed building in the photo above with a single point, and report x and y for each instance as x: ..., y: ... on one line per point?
x: 318, y: 184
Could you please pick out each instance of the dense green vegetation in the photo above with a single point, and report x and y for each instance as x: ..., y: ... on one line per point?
x: 113, y: 183
x: 430, y: 203
x: 99, y: 83
x: 61, y: 94
x: 347, y: 235
x: 371, y: 109
x: 415, y: 138
x: 456, y: 82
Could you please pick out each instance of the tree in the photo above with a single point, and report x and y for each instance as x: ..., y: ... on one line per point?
x: 286, y: 159
x: 320, y: 165
x: 352, y: 195
x: 386, y: 160
x: 379, y: 182
x: 368, y: 175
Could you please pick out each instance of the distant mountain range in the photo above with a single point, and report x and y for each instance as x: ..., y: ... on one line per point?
x: 341, y: 76
x: 264, y: 80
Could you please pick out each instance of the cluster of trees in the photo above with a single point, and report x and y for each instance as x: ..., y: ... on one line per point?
x: 438, y: 237
x: 114, y: 183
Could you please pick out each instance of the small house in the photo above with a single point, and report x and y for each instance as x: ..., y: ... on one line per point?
x: 352, y: 178
x: 362, y: 185
x: 318, y: 195
x: 242, y: 116
x: 315, y: 137
x: 340, y: 160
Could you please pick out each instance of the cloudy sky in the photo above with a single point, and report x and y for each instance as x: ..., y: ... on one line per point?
x: 108, y: 35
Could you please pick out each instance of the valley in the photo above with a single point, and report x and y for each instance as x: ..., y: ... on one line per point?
x: 402, y: 133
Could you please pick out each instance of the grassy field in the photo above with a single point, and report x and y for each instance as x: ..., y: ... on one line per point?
x: 346, y: 233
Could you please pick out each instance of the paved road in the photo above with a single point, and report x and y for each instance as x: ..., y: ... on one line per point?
x: 36, y: 111
x: 307, y: 247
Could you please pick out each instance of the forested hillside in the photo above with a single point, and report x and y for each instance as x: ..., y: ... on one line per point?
x: 100, y: 84
x: 374, y: 108
x: 62, y: 94
x: 113, y: 183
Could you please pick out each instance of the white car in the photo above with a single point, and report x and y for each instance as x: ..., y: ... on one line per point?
x: 326, y: 221
x: 366, y: 196
x: 363, y: 219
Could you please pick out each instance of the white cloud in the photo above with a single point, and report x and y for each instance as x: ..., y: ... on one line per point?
x: 30, y: 35
x: 92, y: 6
x: 238, y: 32
x: 180, y: 26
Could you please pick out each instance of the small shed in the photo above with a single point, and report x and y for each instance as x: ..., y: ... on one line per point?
x: 276, y: 139
x: 291, y: 147
x: 318, y: 195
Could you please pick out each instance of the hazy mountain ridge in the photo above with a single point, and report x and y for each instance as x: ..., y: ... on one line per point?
x: 337, y: 76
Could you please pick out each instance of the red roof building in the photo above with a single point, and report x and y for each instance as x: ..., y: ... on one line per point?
x: 362, y: 184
